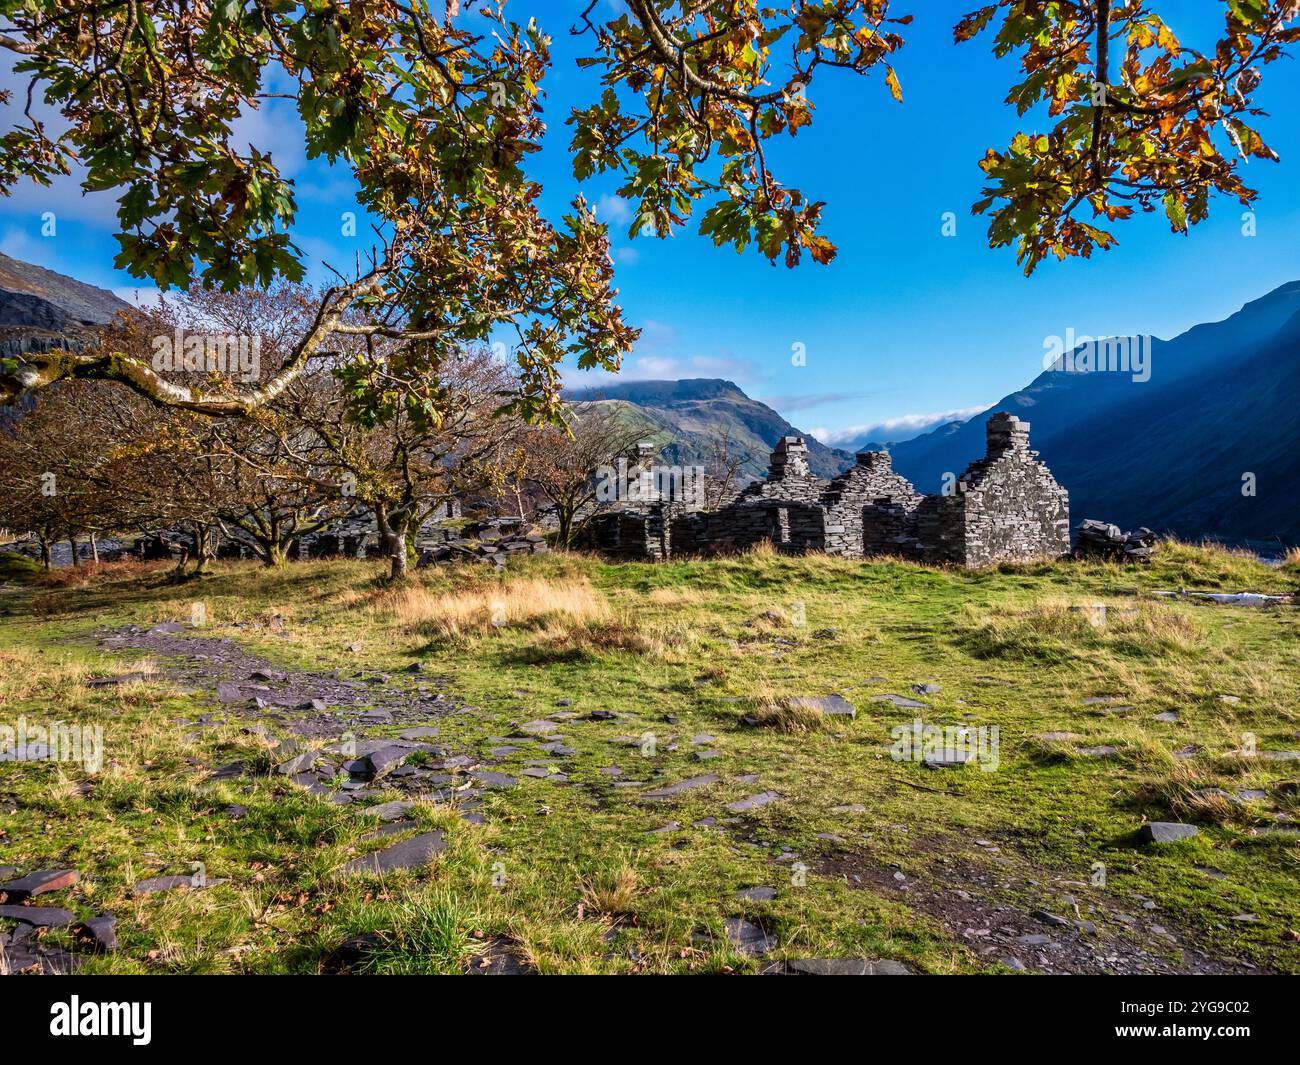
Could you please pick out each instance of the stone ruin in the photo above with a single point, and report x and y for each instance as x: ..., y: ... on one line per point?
x: 1006, y: 506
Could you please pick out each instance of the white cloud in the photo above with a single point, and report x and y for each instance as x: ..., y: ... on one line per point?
x: 614, y: 209
x: 897, y: 429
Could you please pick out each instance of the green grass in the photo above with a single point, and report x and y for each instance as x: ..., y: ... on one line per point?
x: 573, y: 877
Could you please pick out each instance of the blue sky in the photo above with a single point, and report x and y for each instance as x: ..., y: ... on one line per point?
x: 906, y: 327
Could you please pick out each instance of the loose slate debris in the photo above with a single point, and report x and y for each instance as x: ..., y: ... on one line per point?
x: 748, y: 938
x: 754, y: 802
x: 38, y: 916
x: 1103, y: 751
x: 499, y: 959
x: 682, y: 785
x: 351, y: 954
x: 386, y: 811
x: 537, y: 728
x: 763, y: 893
x: 837, y: 967
x: 901, y: 701
x: 166, y: 883
x: 99, y: 934
x: 414, y: 853
x: 38, y: 884
x: 1100, y: 539
x: 1166, y: 832
x: 123, y: 678
x: 833, y: 705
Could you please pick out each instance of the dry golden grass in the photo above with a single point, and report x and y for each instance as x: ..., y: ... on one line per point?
x: 793, y: 717
x: 478, y: 610
x: 674, y: 596
x: 611, y: 894
x: 89, y: 573
x: 1056, y: 629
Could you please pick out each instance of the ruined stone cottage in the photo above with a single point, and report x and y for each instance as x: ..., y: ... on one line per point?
x: 1006, y: 506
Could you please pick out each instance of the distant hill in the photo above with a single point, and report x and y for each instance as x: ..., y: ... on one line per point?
x: 34, y: 297
x: 1170, y: 452
x: 685, y: 416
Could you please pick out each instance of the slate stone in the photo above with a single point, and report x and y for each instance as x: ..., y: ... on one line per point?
x: 707, y: 756
x: 229, y: 771
x: 900, y: 700
x: 1166, y: 832
x: 301, y: 763
x: 386, y: 811
x: 763, y: 893
x: 952, y: 760
x: 122, y: 678
x: 748, y: 938
x: 703, y: 739
x: 1058, y: 737
x: 1280, y: 756
x: 682, y: 785
x: 537, y: 728
x: 419, y: 733
x: 385, y: 761
x: 602, y: 715
x: 414, y: 853
x: 559, y: 750
x: 498, y: 959
x: 672, y: 826
x: 163, y: 883
x: 1168, y: 716
x: 834, y: 705
x: 38, y: 916
x: 927, y: 689
x: 754, y: 802
x: 352, y: 953
x: 1049, y: 918
x: 495, y: 780
x: 1103, y: 751
x: 34, y: 884
x: 536, y: 771
x: 99, y: 933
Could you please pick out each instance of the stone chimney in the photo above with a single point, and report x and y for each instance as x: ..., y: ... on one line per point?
x: 875, y: 460
x: 789, y: 459
x: 1006, y: 432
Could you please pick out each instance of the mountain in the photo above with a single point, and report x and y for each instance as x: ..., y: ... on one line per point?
x: 685, y: 417
x: 1171, y: 452
x: 39, y: 299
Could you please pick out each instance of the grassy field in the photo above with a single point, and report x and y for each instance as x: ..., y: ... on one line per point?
x: 870, y: 856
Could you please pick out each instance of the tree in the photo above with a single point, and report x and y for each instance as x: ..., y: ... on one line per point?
x: 564, y: 461
x: 435, y: 122
x: 1167, y: 125
x: 435, y: 112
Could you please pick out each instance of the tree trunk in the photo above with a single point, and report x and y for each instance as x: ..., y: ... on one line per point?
x: 393, y: 539
x: 45, y: 553
x: 203, y: 552
x: 94, y: 548
x: 72, y: 541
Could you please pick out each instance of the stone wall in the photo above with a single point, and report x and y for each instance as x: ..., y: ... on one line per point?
x: 1006, y: 506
